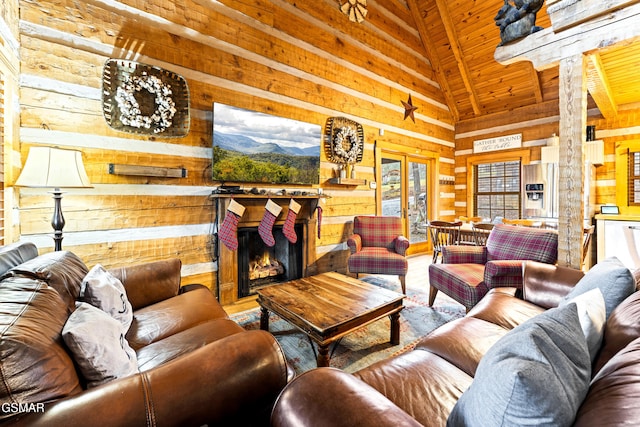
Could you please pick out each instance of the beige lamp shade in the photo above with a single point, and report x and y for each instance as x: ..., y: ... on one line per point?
x: 49, y: 167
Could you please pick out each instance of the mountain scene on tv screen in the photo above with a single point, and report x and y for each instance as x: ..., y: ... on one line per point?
x: 238, y: 158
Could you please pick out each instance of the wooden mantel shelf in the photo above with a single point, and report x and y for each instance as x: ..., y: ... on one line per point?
x: 266, y: 196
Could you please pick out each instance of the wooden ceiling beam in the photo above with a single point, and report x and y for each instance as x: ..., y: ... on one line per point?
x: 456, y: 49
x: 432, y: 53
x: 535, y: 81
x: 546, y: 48
x: 599, y: 87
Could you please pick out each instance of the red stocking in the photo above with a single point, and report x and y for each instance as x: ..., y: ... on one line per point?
x: 265, y: 229
x: 229, y: 229
x: 289, y: 224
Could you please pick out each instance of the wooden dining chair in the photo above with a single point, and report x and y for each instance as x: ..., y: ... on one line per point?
x: 481, y: 232
x: 586, y: 240
x: 443, y: 233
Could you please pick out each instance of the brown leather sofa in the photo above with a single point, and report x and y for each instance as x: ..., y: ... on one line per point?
x: 422, y: 386
x: 196, y: 366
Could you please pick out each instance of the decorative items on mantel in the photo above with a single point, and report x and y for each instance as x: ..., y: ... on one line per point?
x: 344, y: 145
x: 143, y: 99
x: 356, y: 10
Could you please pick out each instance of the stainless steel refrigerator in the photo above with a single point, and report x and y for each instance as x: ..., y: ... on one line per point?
x: 540, y: 195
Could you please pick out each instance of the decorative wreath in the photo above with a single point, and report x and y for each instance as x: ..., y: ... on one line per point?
x: 346, y: 145
x: 130, y: 114
x: 344, y: 140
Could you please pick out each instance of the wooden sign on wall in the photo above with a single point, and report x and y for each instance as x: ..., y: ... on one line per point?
x: 498, y: 143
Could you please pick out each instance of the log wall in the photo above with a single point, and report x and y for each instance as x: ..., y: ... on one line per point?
x: 298, y: 59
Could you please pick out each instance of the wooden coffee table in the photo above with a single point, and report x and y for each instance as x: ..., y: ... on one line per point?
x: 328, y: 306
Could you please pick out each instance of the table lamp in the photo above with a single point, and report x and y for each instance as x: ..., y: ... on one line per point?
x: 56, y: 168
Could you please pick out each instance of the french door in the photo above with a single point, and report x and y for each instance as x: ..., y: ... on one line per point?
x: 403, y: 191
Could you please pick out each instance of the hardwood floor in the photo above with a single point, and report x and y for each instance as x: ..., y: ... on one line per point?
x: 418, y: 275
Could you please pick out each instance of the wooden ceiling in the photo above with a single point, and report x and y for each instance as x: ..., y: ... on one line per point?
x: 460, y: 38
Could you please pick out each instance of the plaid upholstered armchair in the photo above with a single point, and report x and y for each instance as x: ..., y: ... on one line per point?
x: 377, y: 246
x: 467, y: 273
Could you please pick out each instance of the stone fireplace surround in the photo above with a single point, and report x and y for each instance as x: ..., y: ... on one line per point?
x: 227, y: 260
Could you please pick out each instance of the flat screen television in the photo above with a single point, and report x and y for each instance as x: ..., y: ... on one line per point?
x: 253, y: 147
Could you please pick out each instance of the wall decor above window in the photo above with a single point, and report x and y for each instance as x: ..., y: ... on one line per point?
x: 143, y: 99
x: 343, y: 141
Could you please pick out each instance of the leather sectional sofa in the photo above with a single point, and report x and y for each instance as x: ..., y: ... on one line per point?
x: 195, y: 365
x: 440, y: 382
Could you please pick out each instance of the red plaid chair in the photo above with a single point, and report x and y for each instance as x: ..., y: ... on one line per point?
x: 377, y: 246
x: 467, y: 273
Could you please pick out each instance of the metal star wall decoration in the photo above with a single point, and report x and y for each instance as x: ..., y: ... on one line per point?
x: 409, y: 109
x: 356, y: 10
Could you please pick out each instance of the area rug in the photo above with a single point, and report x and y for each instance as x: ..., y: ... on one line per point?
x: 370, y: 343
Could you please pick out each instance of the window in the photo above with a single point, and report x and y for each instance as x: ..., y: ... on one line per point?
x: 627, y: 174
x: 633, y: 179
x: 497, y: 190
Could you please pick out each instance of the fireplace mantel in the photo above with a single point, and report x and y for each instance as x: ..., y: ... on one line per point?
x: 227, y: 286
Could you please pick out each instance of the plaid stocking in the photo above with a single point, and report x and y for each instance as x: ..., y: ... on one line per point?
x: 229, y: 229
x: 289, y: 224
x: 265, y: 229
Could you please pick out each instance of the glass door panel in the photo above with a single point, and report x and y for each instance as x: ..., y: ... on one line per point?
x: 417, y: 201
x: 391, y: 188
x: 403, y: 193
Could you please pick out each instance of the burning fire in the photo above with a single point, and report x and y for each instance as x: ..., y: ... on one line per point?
x: 263, y: 266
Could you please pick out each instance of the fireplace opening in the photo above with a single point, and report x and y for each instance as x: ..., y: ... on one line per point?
x: 260, y: 265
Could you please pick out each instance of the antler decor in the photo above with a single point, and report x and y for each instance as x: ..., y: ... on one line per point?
x: 343, y: 140
x: 356, y: 10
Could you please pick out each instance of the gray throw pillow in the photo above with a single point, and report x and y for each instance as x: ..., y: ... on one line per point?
x: 614, y: 280
x: 537, y: 374
x: 103, y: 290
x: 98, y: 345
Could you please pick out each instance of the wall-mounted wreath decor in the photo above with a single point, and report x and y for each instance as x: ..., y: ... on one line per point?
x: 140, y: 98
x: 343, y: 140
x: 356, y: 10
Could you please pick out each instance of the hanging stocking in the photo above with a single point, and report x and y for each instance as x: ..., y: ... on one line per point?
x: 265, y: 229
x: 229, y: 229
x: 289, y: 224
x: 319, y: 208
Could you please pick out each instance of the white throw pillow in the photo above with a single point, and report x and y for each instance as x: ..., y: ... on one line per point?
x: 593, y: 316
x: 103, y: 290
x: 98, y: 345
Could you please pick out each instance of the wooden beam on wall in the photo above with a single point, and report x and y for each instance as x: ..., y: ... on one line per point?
x: 137, y: 170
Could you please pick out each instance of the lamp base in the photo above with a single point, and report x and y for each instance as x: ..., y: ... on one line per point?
x: 57, y: 221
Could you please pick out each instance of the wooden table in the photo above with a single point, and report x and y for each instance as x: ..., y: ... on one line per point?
x: 328, y: 306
